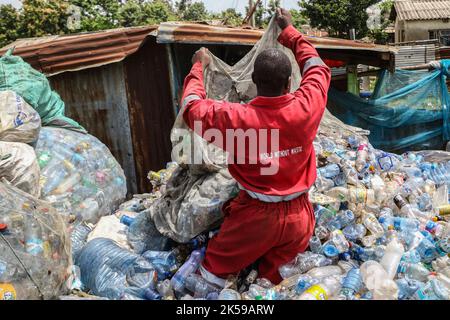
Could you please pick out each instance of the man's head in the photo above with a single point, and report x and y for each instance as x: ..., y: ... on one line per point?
x: 272, y: 73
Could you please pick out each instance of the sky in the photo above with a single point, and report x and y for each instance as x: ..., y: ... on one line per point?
x: 211, y: 5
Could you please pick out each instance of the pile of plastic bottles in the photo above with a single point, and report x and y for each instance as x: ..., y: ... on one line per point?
x: 34, y: 248
x: 79, y: 175
x: 381, y: 232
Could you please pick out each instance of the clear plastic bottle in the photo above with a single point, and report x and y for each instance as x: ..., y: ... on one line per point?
x: 407, y: 287
x: 326, y: 271
x: 354, y: 232
x: 409, y: 211
x: 326, y: 289
x: 229, y: 294
x: 416, y: 271
x: 371, y: 223
x: 304, y: 282
x: 391, y: 259
x: 315, y: 245
x: 377, y: 281
x: 339, y: 241
x: 190, y: 266
x: 432, y: 290
x: 361, y: 156
x: 303, y: 263
x: 329, y: 171
x: 199, y: 286
x: 352, y: 283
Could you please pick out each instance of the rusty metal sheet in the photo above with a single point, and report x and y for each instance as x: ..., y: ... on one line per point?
x: 97, y: 99
x: 173, y: 32
x: 150, y: 109
x: 56, y: 54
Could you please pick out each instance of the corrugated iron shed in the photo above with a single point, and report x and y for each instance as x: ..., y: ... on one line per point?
x: 181, y: 32
x: 56, y: 54
x: 422, y: 9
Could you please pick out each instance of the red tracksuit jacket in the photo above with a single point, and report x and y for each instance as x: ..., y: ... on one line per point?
x: 296, y: 115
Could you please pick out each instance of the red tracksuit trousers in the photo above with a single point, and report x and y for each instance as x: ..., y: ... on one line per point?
x: 273, y: 233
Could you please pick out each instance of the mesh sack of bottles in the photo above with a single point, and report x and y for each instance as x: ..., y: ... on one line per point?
x: 79, y: 175
x: 34, y: 247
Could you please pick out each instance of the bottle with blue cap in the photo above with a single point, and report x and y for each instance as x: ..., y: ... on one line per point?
x: 352, y: 283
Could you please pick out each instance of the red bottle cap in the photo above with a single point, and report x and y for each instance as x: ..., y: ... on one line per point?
x: 3, y: 227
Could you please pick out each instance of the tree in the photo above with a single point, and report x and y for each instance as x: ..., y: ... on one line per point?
x: 231, y: 17
x: 41, y: 17
x: 338, y: 16
x: 98, y: 14
x: 158, y: 11
x: 195, y: 12
x: 298, y: 18
x: 131, y: 14
x: 9, y: 24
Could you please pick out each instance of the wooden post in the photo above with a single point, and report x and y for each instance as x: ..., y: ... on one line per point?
x: 352, y: 80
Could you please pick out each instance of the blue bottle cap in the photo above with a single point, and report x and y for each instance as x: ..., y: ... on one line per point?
x: 330, y: 250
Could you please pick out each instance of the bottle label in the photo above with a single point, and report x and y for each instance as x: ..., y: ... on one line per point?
x: 362, y: 147
x: 318, y: 292
x: 7, y: 292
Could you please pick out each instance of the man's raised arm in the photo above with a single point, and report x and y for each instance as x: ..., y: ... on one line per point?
x: 316, y: 75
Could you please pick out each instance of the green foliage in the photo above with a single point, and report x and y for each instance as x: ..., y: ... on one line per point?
x: 298, y: 18
x: 338, y: 16
x: 231, y: 17
x: 42, y: 17
x: 195, y: 12
x: 9, y: 24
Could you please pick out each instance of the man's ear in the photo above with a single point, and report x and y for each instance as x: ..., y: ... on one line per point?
x: 287, y: 87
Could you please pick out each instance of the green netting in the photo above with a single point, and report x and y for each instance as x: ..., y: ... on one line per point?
x: 34, y: 88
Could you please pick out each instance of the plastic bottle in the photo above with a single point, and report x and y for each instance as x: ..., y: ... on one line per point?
x: 407, y: 287
x: 409, y: 211
x: 111, y: 271
x: 354, y: 232
x: 329, y: 171
x: 361, y: 156
x: 78, y: 238
x: 199, y: 286
x: 377, y: 281
x: 352, y: 283
x: 315, y: 244
x: 326, y: 289
x: 303, y: 263
x: 324, y: 215
x: 229, y: 294
x: 391, y: 259
x: 190, y: 266
x: 432, y: 290
x: 414, y: 271
x: 339, y: 241
x: 165, y: 290
x: 34, y: 244
x: 326, y: 271
x: 304, y: 282
x: 372, y: 224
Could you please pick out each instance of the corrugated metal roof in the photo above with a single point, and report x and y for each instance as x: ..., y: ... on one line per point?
x: 173, y: 32
x: 56, y: 54
x: 422, y: 9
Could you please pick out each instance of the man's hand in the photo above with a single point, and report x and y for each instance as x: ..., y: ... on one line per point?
x: 284, y: 18
x: 202, y: 56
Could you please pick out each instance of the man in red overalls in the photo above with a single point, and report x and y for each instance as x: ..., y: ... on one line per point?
x: 271, y: 220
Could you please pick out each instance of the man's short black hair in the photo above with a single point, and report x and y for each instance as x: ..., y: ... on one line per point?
x: 272, y: 70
